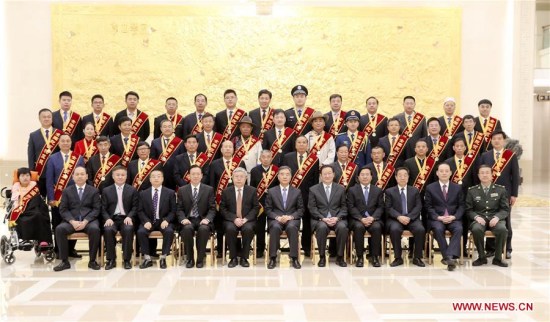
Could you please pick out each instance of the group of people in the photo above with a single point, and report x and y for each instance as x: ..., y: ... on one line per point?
x: 298, y: 171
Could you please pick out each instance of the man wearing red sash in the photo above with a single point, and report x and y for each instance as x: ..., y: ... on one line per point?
x: 279, y: 139
x: 140, y: 170
x: 210, y: 142
x: 59, y: 172
x: 100, y: 166
x: 103, y: 122
x: 251, y: 145
x: 440, y: 145
x: 193, y: 122
x: 382, y: 173
x: 336, y: 118
x: 357, y: 141
x: 475, y: 141
x: 263, y: 177
x: 305, y: 174
x: 345, y: 171
x: 504, y: 163
x: 166, y: 148
x: 320, y: 141
x: 67, y: 120
x: 412, y: 123
x: 373, y: 123
x: 140, y: 120
x: 172, y: 115
x: 228, y: 119
x: 184, y: 161
x: 262, y: 115
x: 298, y: 117
x: 450, y: 123
x: 394, y: 144
x: 421, y: 168
x: 125, y: 143
x: 485, y: 123
x: 42, y: 143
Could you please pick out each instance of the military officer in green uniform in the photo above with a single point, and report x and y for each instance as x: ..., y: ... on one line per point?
x: 487, y: 206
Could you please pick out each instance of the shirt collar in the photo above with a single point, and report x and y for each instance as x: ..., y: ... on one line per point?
x: 198, y: 187
x: 287, y: 187
x: 119, y: 187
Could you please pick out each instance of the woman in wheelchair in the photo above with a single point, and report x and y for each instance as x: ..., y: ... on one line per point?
x: 29, y: 211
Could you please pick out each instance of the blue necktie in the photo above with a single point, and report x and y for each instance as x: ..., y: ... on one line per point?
x: 284, y: 198
x: 47, y: 134
x: 200, y: 117
x: 80, y: 193
x: 403, y: 201
x: 125, y: 141
x: 366, y: 194
x: 409, y: 118
x: 470, y: 136
x: 195, y: 209
x: 299, y: 113
x: 155, y: 204
x: 353, y: 137
x: 64, y: 116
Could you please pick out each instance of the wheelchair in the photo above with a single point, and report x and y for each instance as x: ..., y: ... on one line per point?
x: 11, y: 243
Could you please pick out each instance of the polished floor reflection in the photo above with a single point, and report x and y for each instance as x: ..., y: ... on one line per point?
x: 31, y: 291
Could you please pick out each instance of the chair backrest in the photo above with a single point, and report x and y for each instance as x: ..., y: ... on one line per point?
x: 34, y: 176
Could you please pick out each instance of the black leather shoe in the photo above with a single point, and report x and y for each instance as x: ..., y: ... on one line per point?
x: 244, y: 262
x: 295, y: 263
x: 397, y: 262
x: 489, y: 254
x: 190, y: 263
x: 480, y: 261
x: 146, y: 263
x: 94, y: 265
x: 200, y: 264
x: 62, y: 266
x: 110, y: 264
x: 127, y: 265
x: 375, y: 261
x: 162, y: 263
x: 508, y: 255
x: 322, y: 261
x: 444, y: 261
x: 74, y: 254
x: 341, y: 262
x: 360, y: 262
x: 418, y: 262
x: 233, y: 262
x: 272, y: 263
x: 500, y: 263
x: 451, y: 265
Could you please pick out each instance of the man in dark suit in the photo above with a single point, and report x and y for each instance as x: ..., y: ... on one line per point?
x: 377, y: 167
x: 280, y: 135
x: 327, y: 204
x: 239, y: 207
x: 140, y: 120
x: 446, y: 121
x: 166, y: 148
x: 192, y: 122
x: 184, y: 161
x: 294, y: 114
x: 366, y: 207
x: 99, y: 165
x: 444, y: 203
x: 102, y: 121
x: 196, y: 209
x: 336, y: 114
x: 66, y: 120
x: 342, y: 165
x: 403, y: 206
x: 157, y: 212
x: 388, y: 142
x: 172, y: 115
x: 120, y: 203
x: 434, y: 138
x: 223, y: 123
x: 505, y: 173
x: 284, y: 207
x: 124, y: 144
x: 262, y: 115
x: 485, y: 123
x: 418, y: 164
x: 79, y: 208
x: 356, y: 140
x: 377, y: 121
x: 406, y: 119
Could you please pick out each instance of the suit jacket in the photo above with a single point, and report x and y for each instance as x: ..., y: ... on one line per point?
x: 206, y: 202
x: 170, y: 164
x: 93, y: 167
x: 463, y: 135
x: 35, y: 146
x: 72, y: 208
x: 117, y: 146
x: 414, y: 172
x: 291, y: 120
x: 445, y: 154
x: 130, y: 202
x: 201, y: 138
x: 256, y: 117
x: 143, y: 132
x: 319, y: 206
x: 57, y: 122
x: 167, y: 205
x: 133, y: 172
x: 54, y: 167
x: 385, y: 144
x: 187, y: 124
x: 393, y: 203
x: 156, y: 125
x: 182, y: 164
x: 215, y: 173
x: 372, y: 167
x: 274, y: 203
x: 270, y: 136
x: 477, y: 127
x: 338, y: 171
x: 257, y: 175
x: 509, y: 175
x: 381, y: 129
x: 363, y: 155
x: 357, y: 207
x: 443, y: 124
x: 222, y: 121
x: 420, y: 132
x: 468, y: 179
x: 250, y: 204
x: 311, y: 178
x: 107, y: 130
x: 436, y: 204
x: 330, y: 121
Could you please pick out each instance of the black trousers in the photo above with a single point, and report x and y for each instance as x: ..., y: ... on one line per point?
x: 395, y: 229
x: 321, y: 230
x: 231, y: 232
x: 203, y: 234
x: 127, y: 232
x: 260, y: 232
x: 448, y: 251
x: 56, y: 220
x: 375, y: 229
x: 64, y: 229
x: 292, y: 229
x: 167, y: 237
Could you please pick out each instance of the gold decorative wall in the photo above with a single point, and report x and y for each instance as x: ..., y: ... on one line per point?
x: 162, y: 51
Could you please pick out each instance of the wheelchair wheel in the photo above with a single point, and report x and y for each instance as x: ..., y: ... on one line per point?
x: 9, y: 259
x: 4, y: 246
x: 49, y: 256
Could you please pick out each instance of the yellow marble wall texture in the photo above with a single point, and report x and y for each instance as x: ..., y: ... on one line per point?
x: 162, y: 51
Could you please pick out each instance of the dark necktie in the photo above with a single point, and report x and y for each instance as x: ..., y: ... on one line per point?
x: 239, y: 204
x: 444, y: 191
x: 155, y: 204
x: 125, y: 141
x: 372, y: 118
x: 165, y: 142
x: 230, y: 115
x: 449, y: 120
x: 47, y: 134
x: 486, y: 190
x: 263, y: 115
x: 301, y: 159
x: 403, y: 202
x: 366, y: 194
x: 64, y: 116
x: 103, y: 159
x: 343, y: 166
x: 200, y: 116
x: 484, y: 122
x: 421, y: 162
x: 227, y: 163
x: 195, y: 208
x: 66, y: 158
x: 409, y: 118
x: 470, y: 136
x: 192, y: 158
x: 279, y: 134
x: 353, y: 137
x: 378, y: 168
x: 299, y: 113
x: 80, y: 193
x: 434, y: 141
x: 208, y: 139
x: 392, y: 141
x: 498, y: 155
x: 284, y: 197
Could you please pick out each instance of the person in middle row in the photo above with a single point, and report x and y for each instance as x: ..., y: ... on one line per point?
x: 319, y: 141
x: 357, y: 141
x: 247, y: 146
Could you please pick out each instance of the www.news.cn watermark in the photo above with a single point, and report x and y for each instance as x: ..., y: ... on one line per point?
x: 492, y: 307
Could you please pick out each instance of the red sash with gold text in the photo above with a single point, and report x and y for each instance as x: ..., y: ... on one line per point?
x: 457, y: 120
x: 102, y: 173
x: 139, y: 121
x: 101, y: 123
x: 130, y: 150
x: 369, y: 129
x: 141, y: 176
x: 337, y: 125
x: 23, y: 202
x: 347, y: 174
x: 469, y: 158
x: 268, y: 123
x: 304, y: 119
x: 278, y: 148
x: 387, y: 174
x: 501, y: 163
x: 357, y: 145
x: 200, y: 161
x: 70, y: 126
x: 170, y: 149
x: 488, y: 131
x: 302, y: 171
x: 232, y: 125
x: 65, y: 176
x: 422, y: 177
x: 416, y: 121
x: 397, y: 148
x: 47, y: 151
x: 437, y: 149
x: 215, y: 145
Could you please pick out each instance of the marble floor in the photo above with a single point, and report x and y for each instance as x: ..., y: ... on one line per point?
x: 31, y: 291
